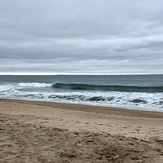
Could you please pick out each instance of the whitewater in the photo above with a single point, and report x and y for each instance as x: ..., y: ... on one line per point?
x: 143, y: 92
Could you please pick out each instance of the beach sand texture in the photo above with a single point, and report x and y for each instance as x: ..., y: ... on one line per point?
x: 44, y: 132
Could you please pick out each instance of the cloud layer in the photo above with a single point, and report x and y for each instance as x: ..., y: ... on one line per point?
x: 81, y: 36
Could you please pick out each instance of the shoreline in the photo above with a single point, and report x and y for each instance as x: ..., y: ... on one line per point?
x: 90, y: 108
x: 35, y: 131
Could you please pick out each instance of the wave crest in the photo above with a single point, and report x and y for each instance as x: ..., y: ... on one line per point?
x: 34, y: 85
x: 118, y: 88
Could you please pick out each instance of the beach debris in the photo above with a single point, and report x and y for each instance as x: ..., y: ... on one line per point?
x: 115, y: 157
x: 61, y: 152
x: 56, y: 129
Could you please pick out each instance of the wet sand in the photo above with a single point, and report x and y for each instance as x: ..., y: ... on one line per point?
x: 61, y: 133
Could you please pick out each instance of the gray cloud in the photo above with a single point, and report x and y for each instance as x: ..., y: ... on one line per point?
x: 81, y: 36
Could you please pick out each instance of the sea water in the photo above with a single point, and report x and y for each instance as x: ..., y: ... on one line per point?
x: 143, y: 92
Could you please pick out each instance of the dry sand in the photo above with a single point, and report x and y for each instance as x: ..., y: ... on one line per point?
x: 44, y: 132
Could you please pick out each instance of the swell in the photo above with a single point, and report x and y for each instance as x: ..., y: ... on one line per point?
x: 119, y: 88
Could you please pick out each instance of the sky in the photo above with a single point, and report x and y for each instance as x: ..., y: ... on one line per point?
x: 81, y: 37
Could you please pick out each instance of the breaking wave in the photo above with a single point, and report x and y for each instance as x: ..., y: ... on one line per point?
x: 118, y: 88
x: 34, y: 85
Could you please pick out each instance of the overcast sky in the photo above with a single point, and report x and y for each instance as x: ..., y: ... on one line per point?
x: 81, y: 36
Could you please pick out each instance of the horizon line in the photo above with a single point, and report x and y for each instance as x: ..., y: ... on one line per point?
x: 46, y: 74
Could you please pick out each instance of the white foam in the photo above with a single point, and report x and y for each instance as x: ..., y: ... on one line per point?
x: 6, y: 87
x: 38, y: 85
x: 43, y: 91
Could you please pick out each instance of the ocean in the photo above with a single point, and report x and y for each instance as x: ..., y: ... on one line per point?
x: 140, y: 92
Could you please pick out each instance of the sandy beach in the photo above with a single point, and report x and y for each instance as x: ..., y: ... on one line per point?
x: 45, y: 132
